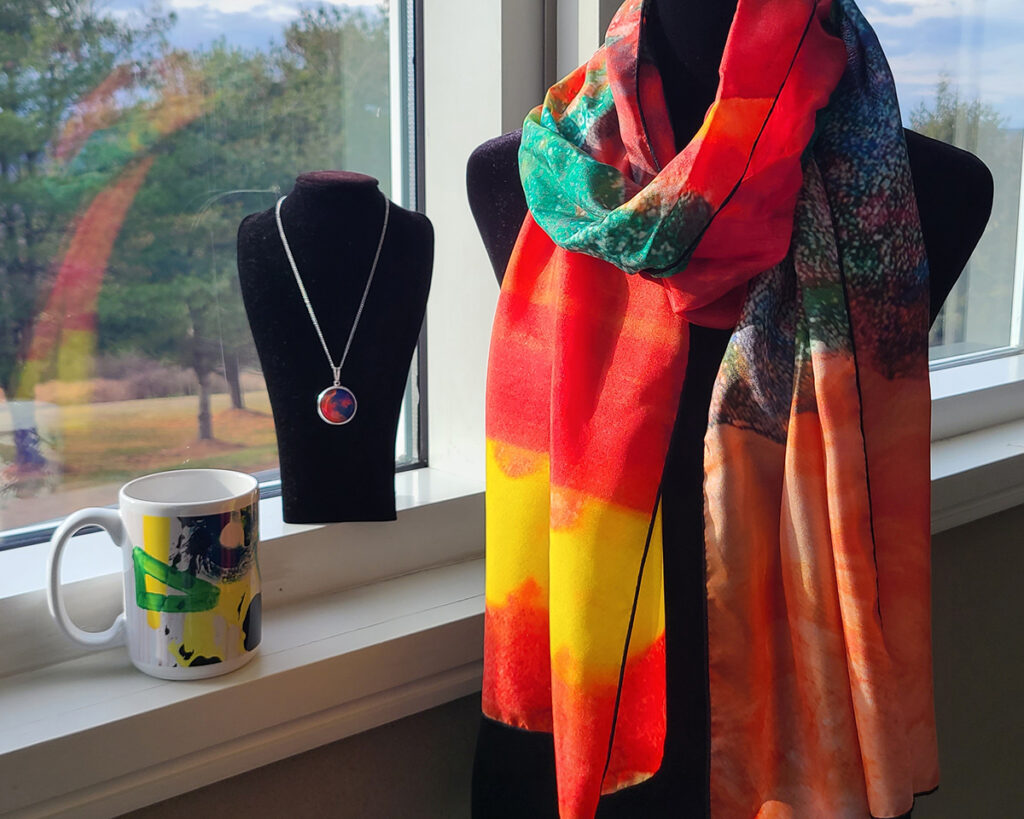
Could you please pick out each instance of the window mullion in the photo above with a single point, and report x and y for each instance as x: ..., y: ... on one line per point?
x: 1017, y: 318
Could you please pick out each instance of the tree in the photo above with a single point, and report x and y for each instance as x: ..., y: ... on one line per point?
x: 316, y: 100
x: 56, y: 56
x: 954, y: 120
x: 987, y: 283
x: 141, y: 159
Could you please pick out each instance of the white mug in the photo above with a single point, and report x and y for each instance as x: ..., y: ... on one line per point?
x: 192, y: 604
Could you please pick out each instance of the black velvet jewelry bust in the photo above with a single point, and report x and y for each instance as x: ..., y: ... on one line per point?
x: 513, y: 772
x: 333, y: 222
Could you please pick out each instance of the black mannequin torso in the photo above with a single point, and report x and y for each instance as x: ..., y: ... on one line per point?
x: 686, y: 41
x: 954, y: 188
x: 513, y: 772
x: 333, y: 222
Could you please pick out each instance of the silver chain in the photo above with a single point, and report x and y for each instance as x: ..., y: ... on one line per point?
x: 336, y: 369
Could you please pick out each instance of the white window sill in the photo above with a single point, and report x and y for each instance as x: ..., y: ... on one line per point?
x: 356, y: 633
x: 344, y: 554
x: 344, y: 650
x: 94, y: 737
x: 977, y: 395
x: 977, y: 439
x: 977, y: 474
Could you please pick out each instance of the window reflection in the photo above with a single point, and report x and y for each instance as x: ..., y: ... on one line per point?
x: 957, y: 65
x: 133, y: 139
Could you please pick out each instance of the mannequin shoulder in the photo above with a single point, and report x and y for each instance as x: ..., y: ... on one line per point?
x: 492, y: 180
x: 257, y: 233
x: 496, y: 197
x: 954, y: 191
x: 255, y: 224
x: 495, y: 161
x: 413, y: 224
x: 409, y: 246
x: 944, y: 174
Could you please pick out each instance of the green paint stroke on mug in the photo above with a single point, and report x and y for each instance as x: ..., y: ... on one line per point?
x: 199, y: 595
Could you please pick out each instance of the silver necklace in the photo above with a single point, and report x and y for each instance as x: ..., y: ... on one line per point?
x: 336, y: 404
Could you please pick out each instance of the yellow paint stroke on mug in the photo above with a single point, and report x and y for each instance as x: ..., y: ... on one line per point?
x: 156, y: 542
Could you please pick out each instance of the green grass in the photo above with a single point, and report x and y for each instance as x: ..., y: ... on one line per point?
x: 118, y: 440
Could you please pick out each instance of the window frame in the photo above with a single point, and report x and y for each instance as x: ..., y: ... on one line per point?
x: 969, y: 394
x: 1015, y: 345
x: 568, y: 30
x: 407, y: 174
x: 980, y: 390
x: 442, y: 526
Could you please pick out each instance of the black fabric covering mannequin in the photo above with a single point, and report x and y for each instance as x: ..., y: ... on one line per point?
x: 513, y: 772
x: 333, y: 221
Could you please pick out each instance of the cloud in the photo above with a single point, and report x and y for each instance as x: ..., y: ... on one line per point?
x: 244, y: 23
x: 268, y: 8
x: 913, y: 12
x: 977, y: 43
x: 280, y: 11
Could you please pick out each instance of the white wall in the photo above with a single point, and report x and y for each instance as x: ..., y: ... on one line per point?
x: 475, y: 88
x: 416, y: 768
x: 978, y: 609
x: 420, y: 767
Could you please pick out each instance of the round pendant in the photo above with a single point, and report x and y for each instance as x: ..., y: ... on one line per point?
x: 336, y: 405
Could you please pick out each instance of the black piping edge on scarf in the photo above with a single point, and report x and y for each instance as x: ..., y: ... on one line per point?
x: 629, y: 628
x: 654, y: 271
x: 658, y: 497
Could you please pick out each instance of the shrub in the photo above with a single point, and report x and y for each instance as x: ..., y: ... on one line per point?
x: 129, y: 377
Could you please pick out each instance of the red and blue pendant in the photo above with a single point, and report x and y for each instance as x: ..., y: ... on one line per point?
x: 336, y: 405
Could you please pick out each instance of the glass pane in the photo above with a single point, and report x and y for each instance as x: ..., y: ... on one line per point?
x: 134, y: 136
x: 958, y: 66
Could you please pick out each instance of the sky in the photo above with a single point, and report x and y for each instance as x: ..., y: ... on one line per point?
x: 245, y: 23
x: 979, y: 43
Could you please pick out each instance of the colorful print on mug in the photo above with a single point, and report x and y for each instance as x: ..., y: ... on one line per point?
x: 196, y: 588
x: 189, y: 540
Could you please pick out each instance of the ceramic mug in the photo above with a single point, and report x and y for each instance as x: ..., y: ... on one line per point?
x: 192, y: 605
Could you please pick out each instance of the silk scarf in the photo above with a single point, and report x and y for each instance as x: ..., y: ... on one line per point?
x: 790, y: 216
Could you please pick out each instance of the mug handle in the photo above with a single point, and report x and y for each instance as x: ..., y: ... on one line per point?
x: 110, y: 521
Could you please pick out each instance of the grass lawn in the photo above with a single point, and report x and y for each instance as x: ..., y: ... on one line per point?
x: 121, y: 439
x: 97, y: 447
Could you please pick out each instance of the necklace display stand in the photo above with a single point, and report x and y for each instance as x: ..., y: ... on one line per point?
x: 514, y: 770
x: 336, y: 472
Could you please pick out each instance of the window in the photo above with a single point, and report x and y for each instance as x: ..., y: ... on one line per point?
x: 496, y: 63
x: 162, y: 124
x: 134, y: 137
x: 958, y: 65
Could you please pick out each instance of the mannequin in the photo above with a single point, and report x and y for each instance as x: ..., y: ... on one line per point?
x: 514, y: 770
x: 333, y: 222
